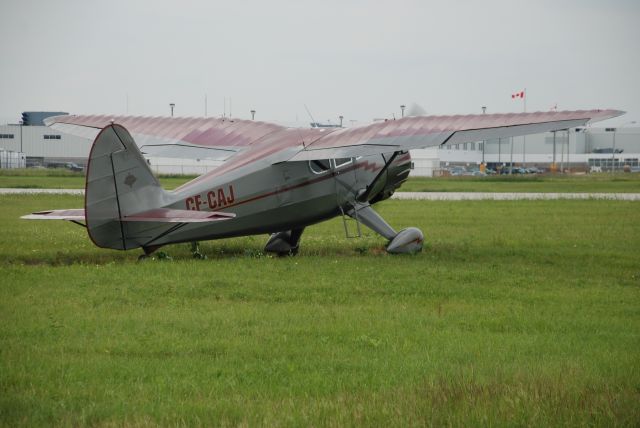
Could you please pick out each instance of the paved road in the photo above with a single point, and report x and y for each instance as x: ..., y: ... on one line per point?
x: 470, y: 196
x: 35, y: 191
x: 430, y: 196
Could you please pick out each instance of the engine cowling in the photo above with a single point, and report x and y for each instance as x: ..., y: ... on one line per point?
x: 396, y: 174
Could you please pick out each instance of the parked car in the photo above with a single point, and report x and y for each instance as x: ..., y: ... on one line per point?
x: 513, y: 171
x: 457, y: 170
x: 74, y: 167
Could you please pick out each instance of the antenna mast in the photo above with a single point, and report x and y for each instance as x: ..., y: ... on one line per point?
x: 313, y: 121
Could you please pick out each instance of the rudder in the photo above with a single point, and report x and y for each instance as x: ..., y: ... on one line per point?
x: 119, y: 183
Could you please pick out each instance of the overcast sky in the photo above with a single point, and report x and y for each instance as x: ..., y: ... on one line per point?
x: 361, y: 59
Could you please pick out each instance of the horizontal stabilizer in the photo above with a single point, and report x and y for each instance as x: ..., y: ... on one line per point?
x: 165, y: 215
x: 71, y: 215
x: 159, y: 215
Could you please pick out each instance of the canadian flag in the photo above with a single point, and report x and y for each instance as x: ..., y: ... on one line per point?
x: 518, y: 95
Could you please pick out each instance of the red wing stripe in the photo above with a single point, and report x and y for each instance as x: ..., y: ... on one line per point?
x: 366, y: 165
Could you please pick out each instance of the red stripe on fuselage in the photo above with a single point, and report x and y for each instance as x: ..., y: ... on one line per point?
x: 366, y: 165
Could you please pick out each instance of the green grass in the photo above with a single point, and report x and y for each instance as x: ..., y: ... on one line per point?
x: 593, y: 183
x: 64, y: 179
x: 516, y: 313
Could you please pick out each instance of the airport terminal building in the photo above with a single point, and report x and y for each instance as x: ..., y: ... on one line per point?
x: 30, y: 143
x: 577, y: 149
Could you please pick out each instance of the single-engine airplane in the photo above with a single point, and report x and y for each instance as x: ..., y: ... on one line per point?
x: 272, y: 179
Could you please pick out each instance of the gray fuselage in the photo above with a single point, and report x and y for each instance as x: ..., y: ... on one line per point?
x: 270, y: 198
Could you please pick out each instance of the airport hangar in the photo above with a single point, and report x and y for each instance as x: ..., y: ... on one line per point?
x: 30, y: 144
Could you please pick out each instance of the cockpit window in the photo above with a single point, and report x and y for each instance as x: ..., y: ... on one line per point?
x: 319, y: 166
x: 342, y: 162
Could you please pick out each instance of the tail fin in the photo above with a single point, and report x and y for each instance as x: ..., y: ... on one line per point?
x: 119, y: 183
x: 124, y: 205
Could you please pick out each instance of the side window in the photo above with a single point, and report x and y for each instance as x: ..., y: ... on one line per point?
x: 319, y: 166
x: 342, y: 162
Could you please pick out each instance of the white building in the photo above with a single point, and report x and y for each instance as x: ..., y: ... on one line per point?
x: 42, y: 145
x: 578, y: 148
x: 426, y: 162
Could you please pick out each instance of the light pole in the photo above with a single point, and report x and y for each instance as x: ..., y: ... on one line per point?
x: 253, y: 114
x: 172, y: 105
x: 562, y: 155
x: 613, y: 151
x: 553, y: 164
x: 402, y: 107
x: 511, y: 159
x: 21, y: 124
x: 484, y: 143
x: 340, y: 117
x: 568, y: 150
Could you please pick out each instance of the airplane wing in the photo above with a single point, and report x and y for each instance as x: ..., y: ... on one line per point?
x: 186, y: 138
x: 428, y: 131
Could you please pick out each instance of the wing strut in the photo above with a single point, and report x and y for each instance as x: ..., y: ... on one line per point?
x: 364, y: 197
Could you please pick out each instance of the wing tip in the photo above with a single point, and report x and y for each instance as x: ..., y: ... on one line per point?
x: 604, y: 114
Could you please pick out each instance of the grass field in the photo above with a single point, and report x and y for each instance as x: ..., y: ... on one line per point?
x: 516, y: 313
x: 593, y: 183
x: 63, y: 179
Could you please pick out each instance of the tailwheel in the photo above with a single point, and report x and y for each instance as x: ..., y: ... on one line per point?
x: 157, y: 255
x: 161, y: 255
x: 147, y: 253
x: 195, y: 251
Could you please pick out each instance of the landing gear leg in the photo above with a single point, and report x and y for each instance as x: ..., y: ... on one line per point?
x: 195, y: 251
x: 408, y: 240
x: 285, y: 243
x: 150, y: 250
